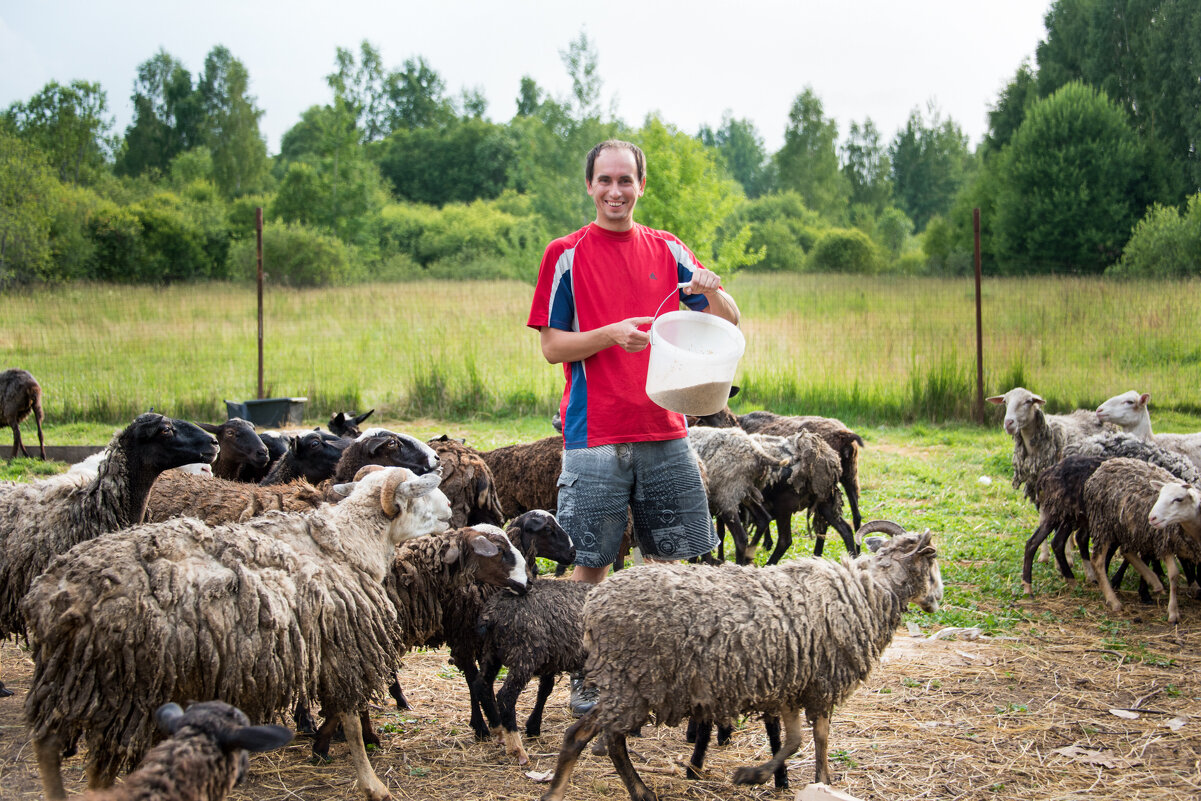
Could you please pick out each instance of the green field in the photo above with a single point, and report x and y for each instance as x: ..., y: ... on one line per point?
x: 865, y: 349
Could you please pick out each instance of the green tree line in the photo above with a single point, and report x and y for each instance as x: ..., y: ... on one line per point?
x: 1090, y: 164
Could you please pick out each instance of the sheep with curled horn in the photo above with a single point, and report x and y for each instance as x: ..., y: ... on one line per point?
x: 797, y: 636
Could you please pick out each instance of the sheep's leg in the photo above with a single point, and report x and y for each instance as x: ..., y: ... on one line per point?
x: 701, y: 731
x: 369, y: 735
x: 721, y: 540
x: 1136, y: 561
x: 783, y: 538
x: 577, y: 736
x: 1036, y: 539
x: 471, y: 673
x: 742, y: 553
x: 758, y: 774
x: 834, y: 518
x: 724, y: 732
x: 303, y: 718
x: 324, y: 735
x: 1111, y: 598
x: 1090, y: 572
x: 398, y: 694
x: 821, y: 746
x: 771, y: 724
x: 852, y: 493
x: 482, y: 687
x: 533, y: 724
x: 49, y: 753
x: 1059, y: 547
x: 506, y: 700
x: 17, y: 442
x: 625, y: 769
x: 41, y: 440
x: 369, y: 783
x: 1173, y: 580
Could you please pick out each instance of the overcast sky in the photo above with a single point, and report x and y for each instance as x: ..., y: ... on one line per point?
x: 688, y: 61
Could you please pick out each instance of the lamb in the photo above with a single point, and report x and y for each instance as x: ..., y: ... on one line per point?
x: 1119, y: 499
x: 217, y: 500
x: 1129, y: 412
x: 202, y: 760
x: 262, y: 614
x: 45, y: 518
x: 798, y: 635
x: 539, y: 634
x: 242, y: 453
x: 383, y: 447
x: 1039, y: 438
x: 468, y: 482
x: 20, y: 394
x: 346, y: 424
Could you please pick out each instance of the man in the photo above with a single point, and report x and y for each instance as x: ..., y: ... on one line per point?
x: 598, y: 288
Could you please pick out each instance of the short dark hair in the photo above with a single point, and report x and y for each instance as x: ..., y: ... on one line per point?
x: 639, y: 158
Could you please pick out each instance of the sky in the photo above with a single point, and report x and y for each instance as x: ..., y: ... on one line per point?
x: 687, y: 62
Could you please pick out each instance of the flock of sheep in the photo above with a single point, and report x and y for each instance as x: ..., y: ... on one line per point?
x: 273, y: 573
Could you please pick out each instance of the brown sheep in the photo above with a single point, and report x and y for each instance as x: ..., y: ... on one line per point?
x: 469, y: 484
x: 21, y: 394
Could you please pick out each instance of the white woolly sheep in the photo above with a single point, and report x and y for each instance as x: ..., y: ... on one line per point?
x: 202, y: 760
x: 801, y: 635
x: 262, y: 614
x: 1129, y: 412
x: 21, y: 394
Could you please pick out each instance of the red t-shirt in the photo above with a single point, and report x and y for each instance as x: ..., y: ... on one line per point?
x: 594, y: 277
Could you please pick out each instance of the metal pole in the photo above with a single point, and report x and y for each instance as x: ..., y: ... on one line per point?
x: 258, y: 227
x: 979, y: 325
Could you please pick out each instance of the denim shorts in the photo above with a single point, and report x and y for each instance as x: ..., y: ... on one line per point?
x: 658, y: 481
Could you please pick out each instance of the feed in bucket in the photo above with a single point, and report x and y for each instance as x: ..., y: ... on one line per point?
x: 692, y: 362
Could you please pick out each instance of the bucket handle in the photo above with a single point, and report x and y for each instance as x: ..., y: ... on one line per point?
x: 655, y: 316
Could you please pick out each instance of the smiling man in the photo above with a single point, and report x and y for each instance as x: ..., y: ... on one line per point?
x: 597, y: 293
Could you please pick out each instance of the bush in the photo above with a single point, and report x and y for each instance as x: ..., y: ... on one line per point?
x: 781, y: 225
x: 1164, y: 244
x: 892, y: 229
x: 845, y: 250
x: 297, y: 255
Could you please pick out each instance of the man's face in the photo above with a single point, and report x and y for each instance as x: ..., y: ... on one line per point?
x: 615, y: 188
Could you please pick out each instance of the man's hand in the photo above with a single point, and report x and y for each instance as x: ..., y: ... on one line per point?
x: 704, y: 282
x: 625, y: 334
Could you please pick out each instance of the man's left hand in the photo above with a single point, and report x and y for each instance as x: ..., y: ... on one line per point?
x: 704, y: 282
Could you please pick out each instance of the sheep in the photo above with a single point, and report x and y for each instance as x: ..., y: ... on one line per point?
x: 383, y: 447
x: 468, y: 482
x: 1060, y: 489
x: 1178, y: 504
x: 539, y: 634
x: 1118, y: 444
x: 527, y: 475
x: 45, y: 518
x: 262, y: 614
x: 346, y: 424
x: 242, y: 453
x: 1118, y: 500
x: 1129, y: 412
x: 20, y: 394
x: 312, y: 456
x: 798, y: 635
x: 217, y: 500
x: 809, y: 483
x: 737, y: 468
x: 1039, y: 438
x: 202, y: 760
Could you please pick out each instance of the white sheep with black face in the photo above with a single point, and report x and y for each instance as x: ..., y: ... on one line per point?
x: 1129, y: 412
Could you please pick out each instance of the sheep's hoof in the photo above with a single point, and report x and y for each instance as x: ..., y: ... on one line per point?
x: 1027, y: 589
x: 692, y: 771
x: 751, y: 774
x: 4, y: 691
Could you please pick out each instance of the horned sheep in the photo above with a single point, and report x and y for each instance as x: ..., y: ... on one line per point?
x: 202, y: 759
x: 20, y: 394
x: 261, y: 614
x: 801, y: 635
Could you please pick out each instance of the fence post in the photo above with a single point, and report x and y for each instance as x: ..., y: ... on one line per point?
x: 258, y: 228
x: 979, y: 325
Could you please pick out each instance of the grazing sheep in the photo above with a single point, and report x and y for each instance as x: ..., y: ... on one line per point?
x: 1039, y: 438
x: 801, y: 635
x: 387, y: 448
x: 216, y: 500
x: 312, y: 456
x: 538, y: 634
x: 1118, y: 500
x: 45, y: 518
x: 468, y: 482
x: 20, y: 394
x: 346, y: 424
x: 809, y: 483
x: 202, y: 760
x: 1128, y: 411
x: 737, y: 468
x: 527, y: 475
x: 279, y: 609
x: 242, y: 453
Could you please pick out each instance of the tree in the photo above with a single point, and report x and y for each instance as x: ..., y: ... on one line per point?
x: 462, y: 161
x: 474, y: 103
x: 529, y: 97
x: 70, y: 125
x: 1069, y: 181
x: 866, y: 167
x: 741, y: 149
x: 239, y: 152
x: 362, y: 87
x: 808, y: 161
x: 416, y: 97
x: 581, y: 60
x: 168, y: 117
x: 26, y: 211
x: 929, y: 164
x: 1006, y: 116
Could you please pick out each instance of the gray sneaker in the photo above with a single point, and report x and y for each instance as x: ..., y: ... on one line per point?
x: 582, y: 698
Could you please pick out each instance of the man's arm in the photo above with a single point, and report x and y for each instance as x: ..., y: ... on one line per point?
x: 575, y: 346
x: 720, y: 302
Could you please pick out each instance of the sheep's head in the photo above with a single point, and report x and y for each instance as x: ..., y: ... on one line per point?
x: 538, y: 533
x: 226, y: 726
x: 237, y: 439
x: 413, y: 505
x: 1126, y: 410
x: 1021, y: 408
x: 485, y: 554
x: 402, y: 450
x: 346, y: 424
x: 1177, y: 503
x: 161, y: 442
x: 905, y: 561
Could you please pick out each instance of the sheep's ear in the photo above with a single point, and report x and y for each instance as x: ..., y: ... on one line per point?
x: 1195, y: 494
x: 482, y: 546
x: 343, y: 489
x: 209, y: 427
x: 734, y: 390
x: 997, y: 399
x: 362, y: 416
x: 873, y: 543
x: 420, y: 485
x: 168, y: 717
x: 1038, y: 400
x: 254, y: 738
x: 1144, y: 399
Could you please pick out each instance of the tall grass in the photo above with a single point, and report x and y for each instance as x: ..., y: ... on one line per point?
x: 866, y: 349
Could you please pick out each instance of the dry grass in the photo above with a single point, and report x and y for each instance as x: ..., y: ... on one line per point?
x: 947, y: 719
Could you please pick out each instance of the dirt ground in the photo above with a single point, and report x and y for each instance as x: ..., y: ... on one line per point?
x: 1028, y: 718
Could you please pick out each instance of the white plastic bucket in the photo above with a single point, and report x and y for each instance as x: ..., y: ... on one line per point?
x: 692, y: 362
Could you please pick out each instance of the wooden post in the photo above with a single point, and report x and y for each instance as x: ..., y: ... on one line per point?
x: 258, y: 227
x: 979, y: 325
